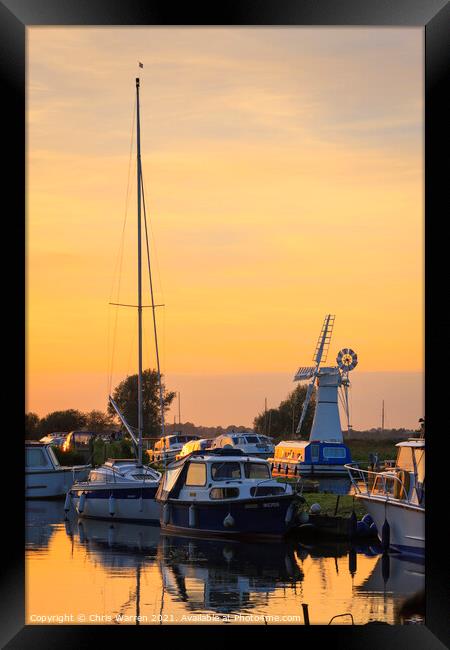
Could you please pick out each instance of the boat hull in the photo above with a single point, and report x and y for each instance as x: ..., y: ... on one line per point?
x: 263, y: 517
x: 406, y: 523
x: 54, y: 483
x: 134, y: 504
x: 308, y: 469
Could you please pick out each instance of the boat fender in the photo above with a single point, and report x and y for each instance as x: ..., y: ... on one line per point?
x: 166, y: 514
x: 385, y: 535
x: 303, y: 517
x: 67, y: 502
x: 289, y: 514
x: 112, y: 505
x: 81, y: 502
x: 315, y: 509
x: 385, y: 569
x: 141, y: 503
x: 228, y: 554
x: 228, y: 522
x: 81, y: 532
x: 192, y: 516
x: 111, y: 535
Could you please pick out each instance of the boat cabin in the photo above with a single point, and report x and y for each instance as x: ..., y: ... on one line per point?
x: 406, y: 480
x: 194, y: 445
x: 169, y: 446
x: 40, y: 456
x: 248, y: 442
x: 217, y: 475
x: 310, y: 456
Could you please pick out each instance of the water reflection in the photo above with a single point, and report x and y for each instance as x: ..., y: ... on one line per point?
x: 112, y: 572
x: 226, y: 577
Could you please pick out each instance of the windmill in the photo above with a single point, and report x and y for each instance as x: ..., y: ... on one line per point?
x: 326, y: 424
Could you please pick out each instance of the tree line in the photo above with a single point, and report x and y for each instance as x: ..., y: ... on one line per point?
x: 125, y: 395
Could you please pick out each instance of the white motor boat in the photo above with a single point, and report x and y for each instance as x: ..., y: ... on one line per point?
x: 124, y: 489
x: 44, y: 476
x: 119, y: 489
x: 248, y: 442
x: 397, y: 497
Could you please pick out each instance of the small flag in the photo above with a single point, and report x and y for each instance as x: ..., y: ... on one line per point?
x: 141, y: 65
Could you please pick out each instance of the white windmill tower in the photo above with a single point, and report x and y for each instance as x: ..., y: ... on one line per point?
x: 326, y: 425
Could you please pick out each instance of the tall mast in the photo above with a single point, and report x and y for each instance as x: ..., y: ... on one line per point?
x: 139, y: 283
x: 382, y: 417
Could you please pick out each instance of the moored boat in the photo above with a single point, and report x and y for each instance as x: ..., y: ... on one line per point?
x: 396, y: 498
x: 44, y: 476
x: 248, y: 442
x: 124, y: 489
x: 224, y: 493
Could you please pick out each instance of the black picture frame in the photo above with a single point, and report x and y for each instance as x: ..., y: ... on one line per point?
x: 433, y: 16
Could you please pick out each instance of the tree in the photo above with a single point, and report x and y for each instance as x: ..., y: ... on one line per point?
x: 69, y: 420
x: 32, y: 426
x: 98, y: 421
x: 282, y: 422
x: 126, y: 397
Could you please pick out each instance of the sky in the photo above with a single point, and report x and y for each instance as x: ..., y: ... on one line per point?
x: 283, y: 172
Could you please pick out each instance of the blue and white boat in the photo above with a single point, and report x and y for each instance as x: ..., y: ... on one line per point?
x: 125, y: 489
x: 397, y: 496
x: 224, y: 493
x: 325, y: 453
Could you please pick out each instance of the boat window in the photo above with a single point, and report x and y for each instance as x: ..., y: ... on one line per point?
x: 52, y: 455
x: 35, y: 458
x: 334, y: 452
x: 225, y: 471
x: 224, y: 493
x: 252, y: 439
x: 419, y: 455
x: 235, y: 441
x: 196, y: 474
x: 256, y: 470
x: 170, y: 477
x: 405, y: 459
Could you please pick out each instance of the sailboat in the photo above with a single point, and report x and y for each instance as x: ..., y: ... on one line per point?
x: 124, y: 489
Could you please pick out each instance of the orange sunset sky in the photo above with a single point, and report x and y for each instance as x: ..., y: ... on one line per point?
x: 284, y: 181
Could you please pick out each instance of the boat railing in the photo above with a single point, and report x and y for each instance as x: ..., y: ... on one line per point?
x: 369, y: 482
x: 267, y: 480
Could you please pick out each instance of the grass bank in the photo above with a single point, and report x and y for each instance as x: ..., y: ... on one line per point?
x: 328, y: 502
x: 360, y: 449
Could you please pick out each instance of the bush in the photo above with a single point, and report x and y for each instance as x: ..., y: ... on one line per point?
x: 118, y: 449
x: 69, y: 458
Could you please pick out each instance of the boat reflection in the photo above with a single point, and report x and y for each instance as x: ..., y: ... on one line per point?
x: 41, y: 519
x: 225, y: 577
x: 116, y: 544
x: 395, y: 574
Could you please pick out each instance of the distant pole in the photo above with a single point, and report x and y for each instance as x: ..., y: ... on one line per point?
x: 382, y: 417
x: 293, y: 418
x: 265, y: 416
x: 179, y: 408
